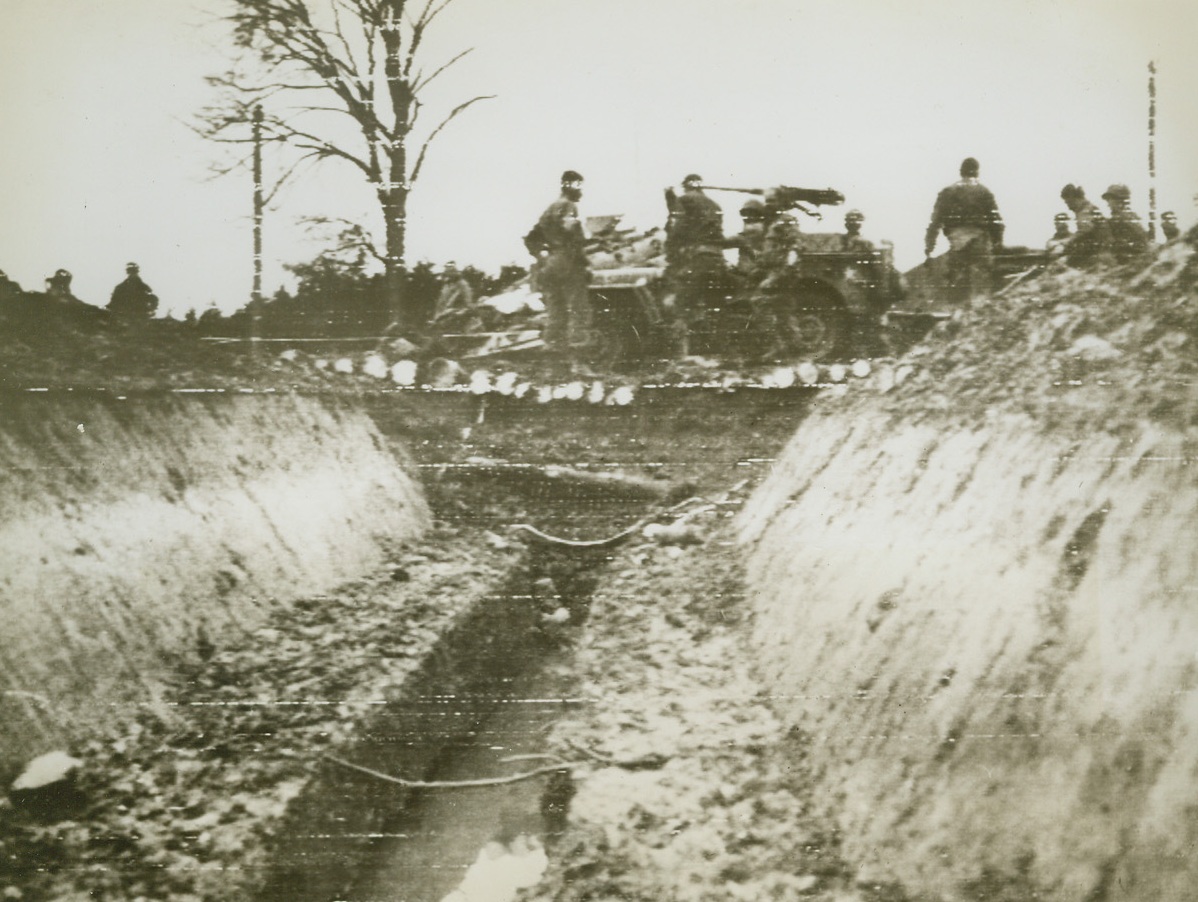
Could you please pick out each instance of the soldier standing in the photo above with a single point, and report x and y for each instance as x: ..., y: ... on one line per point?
x: 750, y: 241
x: 852, y: 239
x: 562, y: 276
x: 968, y: 215
x: 1128, y: 238
x: 694, y: 252
x: 1169, y: 227
x: 133, y: 298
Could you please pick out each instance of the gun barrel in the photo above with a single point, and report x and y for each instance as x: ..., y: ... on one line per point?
x: 758, y: 191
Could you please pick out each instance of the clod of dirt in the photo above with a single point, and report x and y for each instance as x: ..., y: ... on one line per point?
x: 677, y: 533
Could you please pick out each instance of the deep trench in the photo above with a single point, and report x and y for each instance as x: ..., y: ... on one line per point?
x: 494, y: 690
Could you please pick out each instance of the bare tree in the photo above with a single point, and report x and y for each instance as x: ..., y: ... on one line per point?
x: 315, y: 64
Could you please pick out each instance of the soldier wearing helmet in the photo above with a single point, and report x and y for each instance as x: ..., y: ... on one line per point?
x: 1090, y: 245
x: 1061, y: 235
x: 1169, y: 227
x: 751, y: 238
x: 967, y: 214
x: 852, y: 239
x: 696, y: 222
x: 1128, y: 238
x: 694, y: 254
x: 562, y: 275
x: 133, y: 298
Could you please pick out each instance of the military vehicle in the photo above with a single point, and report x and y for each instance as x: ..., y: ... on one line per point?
x: 824, y: 300
x: 930, y: 296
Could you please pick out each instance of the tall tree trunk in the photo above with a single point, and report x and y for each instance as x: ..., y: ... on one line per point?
x: 394, y: 205
x: 395, y: 213
x: 395, y: 198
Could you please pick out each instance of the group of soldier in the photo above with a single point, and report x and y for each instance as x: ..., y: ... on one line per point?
x: 132, y: 299
x: 695, y: 263
x: 967, y: 214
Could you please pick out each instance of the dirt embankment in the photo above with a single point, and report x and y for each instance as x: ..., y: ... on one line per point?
x: 974, y: 593
x: 142, y: 533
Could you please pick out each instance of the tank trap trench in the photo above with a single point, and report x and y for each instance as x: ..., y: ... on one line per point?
x: 459, y: 760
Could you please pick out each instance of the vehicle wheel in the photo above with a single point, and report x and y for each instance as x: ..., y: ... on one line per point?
x: 811, y: 328
x: 615, y: 349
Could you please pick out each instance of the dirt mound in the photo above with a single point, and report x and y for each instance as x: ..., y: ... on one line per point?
x: 49, y: 343
x: 1070, y: 345
x: 974, y: 586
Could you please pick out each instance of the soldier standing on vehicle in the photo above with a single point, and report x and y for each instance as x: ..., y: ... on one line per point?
x: 694, y: 252
x: 1128, y: 238
x: 750, y: 241
x: 456, y: 294
x: 1169, y: 227
x: 968, y: 215
x: 133, y: 298
x: 562, y: 276
x: 1061, y: 236
x: 852, y: 239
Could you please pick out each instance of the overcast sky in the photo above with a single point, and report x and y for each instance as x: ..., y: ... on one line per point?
x: 880, y: 100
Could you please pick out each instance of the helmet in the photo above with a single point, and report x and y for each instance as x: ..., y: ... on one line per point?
x: 854, y: 214
x: 1117, y: 192
x: 571, y: 176
x: 752, y: 207
x: 692, y: 178
x: 1061, y: 217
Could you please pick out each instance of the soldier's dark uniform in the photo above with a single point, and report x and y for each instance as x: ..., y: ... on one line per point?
x: 1169, y: 227
x: 562, y: 276
x: 852, y: 241
x: 968, y: 215
x: 749, y: 242
x: 1128, y: 237
x: 694, y: 251
x: 133, y: 298
x: 1090, y: 245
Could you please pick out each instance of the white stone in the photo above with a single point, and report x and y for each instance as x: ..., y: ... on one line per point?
x: 375, y: 366
x: 808, y: 373
x: 404, y: 373
x: 47, y: 769
x: 1091, y: 347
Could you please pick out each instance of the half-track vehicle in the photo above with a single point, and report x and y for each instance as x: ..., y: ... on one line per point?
x: 825, y: 300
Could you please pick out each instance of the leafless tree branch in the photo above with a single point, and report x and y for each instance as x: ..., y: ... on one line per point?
x: 460, y: 108
x: 351, y: 57
x: 419, y: 83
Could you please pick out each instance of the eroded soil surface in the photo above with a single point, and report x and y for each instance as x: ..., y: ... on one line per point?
x: 184, y: 799
x: 685, y: 785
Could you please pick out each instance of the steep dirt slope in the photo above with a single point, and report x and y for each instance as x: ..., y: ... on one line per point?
x: 138, y: 533
x: 975, y: 593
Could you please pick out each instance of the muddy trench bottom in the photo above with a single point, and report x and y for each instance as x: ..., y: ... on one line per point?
x: 489, y: 838
x: 680, y: 774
